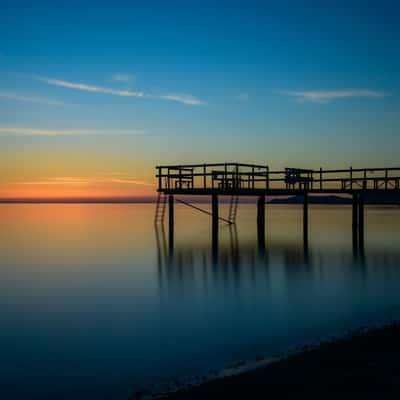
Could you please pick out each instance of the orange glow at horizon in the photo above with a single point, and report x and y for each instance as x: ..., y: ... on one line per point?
x: 71, y: 187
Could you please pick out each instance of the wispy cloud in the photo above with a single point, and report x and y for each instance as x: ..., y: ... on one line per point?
x: 56, y: 181
x: 91, y: 88
x: 131, y: 182
x: 318, y: 96
x: 127, y: 78
x: 181, y: 98
x: 66, y: 132
x: 27, y: 98
x: 244, y: 97
x: 68, y: 180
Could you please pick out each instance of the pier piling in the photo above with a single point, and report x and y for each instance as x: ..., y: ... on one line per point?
x: 355, y: 220
x: 171, y: 222
x: 361, y: 221
x: 305, y: 219
x: 261, y: 222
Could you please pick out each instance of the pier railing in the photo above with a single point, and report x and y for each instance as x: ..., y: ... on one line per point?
x: 239, y: 177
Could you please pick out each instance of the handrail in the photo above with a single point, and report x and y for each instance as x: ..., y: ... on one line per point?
x: 232, y: 176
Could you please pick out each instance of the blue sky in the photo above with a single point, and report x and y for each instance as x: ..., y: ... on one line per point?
x: 131, y: 84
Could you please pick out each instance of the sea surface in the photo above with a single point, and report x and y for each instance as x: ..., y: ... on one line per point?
x: 94, y: 304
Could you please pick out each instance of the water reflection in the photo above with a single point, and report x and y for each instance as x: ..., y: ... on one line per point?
x: 99, y: 300
x: 245, y: 263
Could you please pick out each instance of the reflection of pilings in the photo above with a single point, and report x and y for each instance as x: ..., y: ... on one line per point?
x: 171, y: 222
x: 261, y: 223
x: 361, y: 222
x: 355, y: 223
x: 305, y: 220
x: 162, y: 252
x: 233, y: 236
x: 214, y: 234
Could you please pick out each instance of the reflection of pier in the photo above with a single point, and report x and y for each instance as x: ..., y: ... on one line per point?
x: 236, y: 263
x: 234, y: 179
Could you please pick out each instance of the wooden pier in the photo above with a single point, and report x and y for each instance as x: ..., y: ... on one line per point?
x: 237, y: 179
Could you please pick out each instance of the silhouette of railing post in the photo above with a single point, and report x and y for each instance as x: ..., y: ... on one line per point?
x: 351, y: 178
x: 171, y: 222
x: 320, y: 178
x: 214, y: 212
x: 261, y: 222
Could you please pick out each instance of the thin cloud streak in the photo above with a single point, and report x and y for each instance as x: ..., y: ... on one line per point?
x: 131, y: 182
x: 185, y: 99
x: 82, y: 181
x: 38, y: 100
x: 54, y: 181
x: 319, y: 96
x: 91, y: 88
x: 181, y: 98
x: 66, y: 132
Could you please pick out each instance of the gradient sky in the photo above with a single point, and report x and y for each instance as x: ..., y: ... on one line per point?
x: 94, y: 94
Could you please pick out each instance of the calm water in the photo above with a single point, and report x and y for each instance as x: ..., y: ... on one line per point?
x: 94, y: 306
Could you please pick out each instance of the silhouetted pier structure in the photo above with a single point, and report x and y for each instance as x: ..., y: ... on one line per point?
x: 237, y: 179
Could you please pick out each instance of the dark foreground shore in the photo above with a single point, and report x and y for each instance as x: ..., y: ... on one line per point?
x: 363, y: 365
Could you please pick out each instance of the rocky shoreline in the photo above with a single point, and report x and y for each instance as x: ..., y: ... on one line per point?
x: 363, y: 364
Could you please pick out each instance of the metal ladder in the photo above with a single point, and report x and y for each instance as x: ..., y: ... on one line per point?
x: 160, y: 209
x: 233, y: 209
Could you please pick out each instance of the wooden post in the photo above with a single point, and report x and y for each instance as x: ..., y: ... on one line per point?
x: 386, y: 178
x: 159, y: 178
x: 171, y: 222
x: 355, y: 220
x: 214, y: 212
x: 320, y: 178
x: 351, y: 180
x: 361, y: 221
x: 225, y: 177
x: 305, y: 219
x: 365, y: 180
x: 261, y: 222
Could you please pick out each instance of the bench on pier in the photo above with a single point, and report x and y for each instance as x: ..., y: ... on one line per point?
x: 181, y: 178
x: 297, y: 176
x: 184, y: 183
x: 225, y: 180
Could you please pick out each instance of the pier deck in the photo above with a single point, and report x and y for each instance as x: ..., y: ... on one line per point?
x: 255, y: 180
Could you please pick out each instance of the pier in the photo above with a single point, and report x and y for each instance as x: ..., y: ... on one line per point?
x: 238, y: 179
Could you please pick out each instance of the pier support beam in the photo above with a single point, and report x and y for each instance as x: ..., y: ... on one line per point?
x: 355, y: 221
x: 214, y: 212
x: 361, y: 221
x: 261, y: 222
x: 305, y: 220
x: 171, y: 223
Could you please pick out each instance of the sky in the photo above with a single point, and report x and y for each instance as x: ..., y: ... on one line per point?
x: 94, y: 95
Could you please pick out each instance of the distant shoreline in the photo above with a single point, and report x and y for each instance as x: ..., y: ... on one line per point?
x: 312, y: 199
